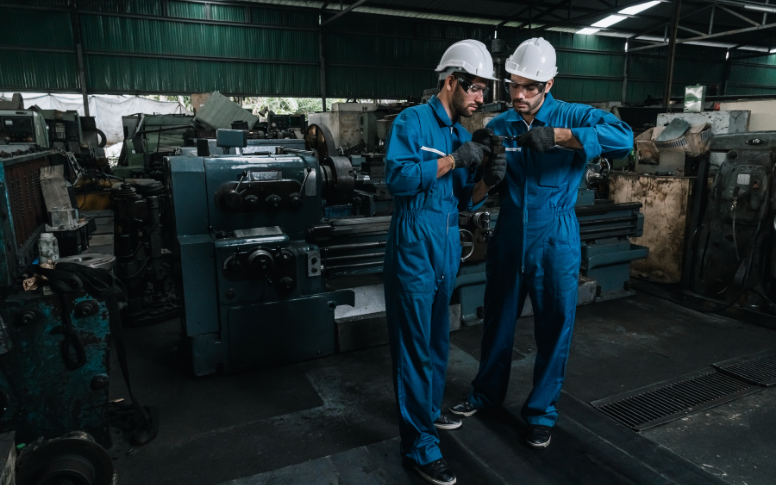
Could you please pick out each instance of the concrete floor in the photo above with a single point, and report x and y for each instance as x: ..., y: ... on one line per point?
x: 332, y: 420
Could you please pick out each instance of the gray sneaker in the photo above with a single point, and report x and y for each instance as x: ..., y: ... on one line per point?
x: 446, y: 421
x: 463, y: 408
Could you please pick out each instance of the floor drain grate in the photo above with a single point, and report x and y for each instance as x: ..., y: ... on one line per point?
x: 669, y: 400
x: 759, y: 369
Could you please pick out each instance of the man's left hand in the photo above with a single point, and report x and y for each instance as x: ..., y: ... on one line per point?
x: 540, y: 139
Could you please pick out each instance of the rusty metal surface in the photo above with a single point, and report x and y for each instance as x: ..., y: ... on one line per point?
x: 28, y: 211
x: 44, y: 396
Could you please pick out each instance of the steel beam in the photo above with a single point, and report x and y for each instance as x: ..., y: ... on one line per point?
x: 672, y: 53
x: 79, y: 55
x: 736, y: 14
x: 344, y: 12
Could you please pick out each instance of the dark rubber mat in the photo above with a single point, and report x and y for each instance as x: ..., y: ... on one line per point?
x: 666, y: 401
x: 758, y: 369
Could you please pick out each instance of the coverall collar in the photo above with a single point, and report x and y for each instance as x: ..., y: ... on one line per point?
x: 440, y: 112
x: 543, y: 115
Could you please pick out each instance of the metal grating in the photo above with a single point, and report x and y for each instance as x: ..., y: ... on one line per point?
x: 759, y: 369
x: 663, y: 402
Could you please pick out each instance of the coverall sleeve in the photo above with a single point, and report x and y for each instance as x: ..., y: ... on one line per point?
x: 405, y: 171
x: 601, y: 133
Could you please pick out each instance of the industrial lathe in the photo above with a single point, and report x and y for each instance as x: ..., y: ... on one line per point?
x: 280, y: 254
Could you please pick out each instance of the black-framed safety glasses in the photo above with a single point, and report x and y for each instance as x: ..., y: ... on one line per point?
x: 530, y: 89
x: 472, y: 88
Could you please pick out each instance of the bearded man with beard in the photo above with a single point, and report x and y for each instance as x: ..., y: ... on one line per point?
x: 429, y: 171
x: 535, y: 249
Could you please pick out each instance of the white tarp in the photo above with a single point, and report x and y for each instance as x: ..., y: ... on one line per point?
x: 107, y: 109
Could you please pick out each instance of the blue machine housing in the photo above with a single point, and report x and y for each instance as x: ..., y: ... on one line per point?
x: 251, y: 285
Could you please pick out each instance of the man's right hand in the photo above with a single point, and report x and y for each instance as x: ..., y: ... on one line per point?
x: 468, y: 154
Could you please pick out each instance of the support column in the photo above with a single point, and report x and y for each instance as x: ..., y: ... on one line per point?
x: 671, y: 54
x: 79, y: 54
x: 625, y: 73
x: 322, y: 60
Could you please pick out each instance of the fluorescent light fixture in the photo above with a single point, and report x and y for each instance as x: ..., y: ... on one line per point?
x: 588, y: 31
x: 633, y: 10
x: 772, y: 50
x: 638, y: 8
x: 609, y: 21
x: 765, y: 9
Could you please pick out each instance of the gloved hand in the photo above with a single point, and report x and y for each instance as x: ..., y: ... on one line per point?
x: 470, y: 153
x: 540, y: 139
x: 483, y: 137
x: 495, y: 170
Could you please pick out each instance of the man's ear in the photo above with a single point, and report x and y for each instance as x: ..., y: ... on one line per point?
x: 549, y: 86
x: 450, y: 83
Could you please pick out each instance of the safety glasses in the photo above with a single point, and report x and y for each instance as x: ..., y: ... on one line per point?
x: 471, y: 88
x: 529, y: 89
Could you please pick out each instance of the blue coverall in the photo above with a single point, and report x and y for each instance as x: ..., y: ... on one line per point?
x: 422, y: 256
x: 535, y: 250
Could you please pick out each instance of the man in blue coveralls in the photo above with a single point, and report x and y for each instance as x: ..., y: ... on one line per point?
x: 535, y: 248
x: 429, y: 171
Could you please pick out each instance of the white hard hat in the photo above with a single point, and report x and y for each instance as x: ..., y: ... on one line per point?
x: 469, y: 56
x: 533, y: 59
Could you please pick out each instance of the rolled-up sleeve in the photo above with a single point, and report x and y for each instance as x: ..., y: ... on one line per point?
x: 405, y: 171
x: 601, y: 134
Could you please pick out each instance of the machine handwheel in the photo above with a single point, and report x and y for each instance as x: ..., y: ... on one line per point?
x: 467, y: 243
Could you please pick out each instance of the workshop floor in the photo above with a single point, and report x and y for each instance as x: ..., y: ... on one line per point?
x: 332, y: 420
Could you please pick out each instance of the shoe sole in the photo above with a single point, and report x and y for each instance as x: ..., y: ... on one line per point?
x: 539, y: 446
x: 448, y: 426
x: 463, y: 413
x: 433, y: 480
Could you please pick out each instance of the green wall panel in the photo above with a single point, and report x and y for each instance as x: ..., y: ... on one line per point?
x: 116, y: 34
x: 136, y: 7
x: 144, y: 75
x: 40, y: 3
x: 35, y: 28
x: 227, y: 13
x: 284, y: 17
x: 350, y: 82
x: 383, y: 51
x: 38, y: 71
x: 186, y: 10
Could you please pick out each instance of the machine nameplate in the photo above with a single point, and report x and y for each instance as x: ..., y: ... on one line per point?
x: 268, y: 175
x: 743, y: 179
x: 258, y: 231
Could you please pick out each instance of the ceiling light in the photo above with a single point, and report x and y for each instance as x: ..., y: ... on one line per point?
x: 772, y: 51
x: 638, y: 8
x: 610, y: 20
x: 749, y: 6
x: 587, y: 31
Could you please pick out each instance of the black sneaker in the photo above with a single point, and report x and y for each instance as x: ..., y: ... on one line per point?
x: 538, y: 436
x: 436, y: 472
x: 446, y: 421
x: 463, y: 408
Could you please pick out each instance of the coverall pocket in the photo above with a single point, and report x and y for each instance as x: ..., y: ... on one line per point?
x: 561, y: 264
x: 413, y: 268
x: 550, y: 170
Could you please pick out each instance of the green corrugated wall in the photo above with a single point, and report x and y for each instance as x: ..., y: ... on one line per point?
x: 179, y: 46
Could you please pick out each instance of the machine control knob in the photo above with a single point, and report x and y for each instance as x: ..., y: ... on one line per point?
x: 233, y: 264
x: 261, y: 262
x: 252, y: 202
x: 296, y: 200
x: 232, y: 199
x: 273, y: 202
x: 286, y: 284
x: 481, y: 220
x: 286, y: 257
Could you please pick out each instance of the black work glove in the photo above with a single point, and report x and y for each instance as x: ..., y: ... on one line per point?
x: 540, y: 139
x: 470, y: 153
x: 483, y: 137
x: 495, y: 170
